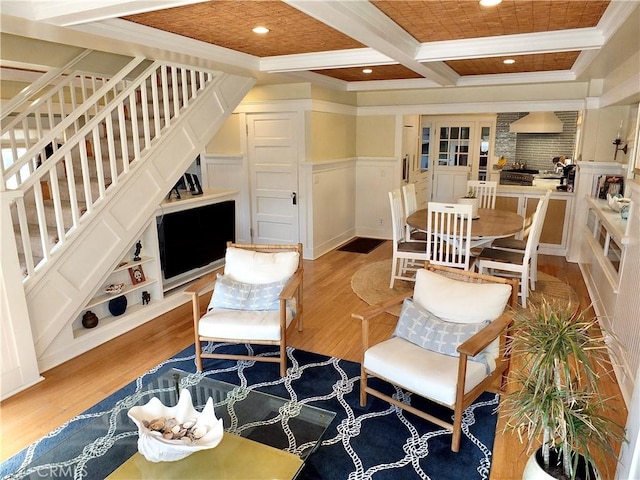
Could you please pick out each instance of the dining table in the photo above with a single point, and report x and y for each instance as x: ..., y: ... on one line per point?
x: 490, y: 224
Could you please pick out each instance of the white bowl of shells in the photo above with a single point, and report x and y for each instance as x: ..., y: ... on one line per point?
x: 167, y: 434
x: 616, y: 203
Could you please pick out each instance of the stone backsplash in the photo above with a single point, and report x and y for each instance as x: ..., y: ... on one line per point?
x: 536, y: 150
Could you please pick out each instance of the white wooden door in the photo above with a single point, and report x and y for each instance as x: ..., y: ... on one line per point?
x: 272, y: 140
x: 452, y: 166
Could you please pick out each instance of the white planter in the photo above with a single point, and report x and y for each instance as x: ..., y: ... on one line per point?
x: 533, y: 470
x: 474, y: 205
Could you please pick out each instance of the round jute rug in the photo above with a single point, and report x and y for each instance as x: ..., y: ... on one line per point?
x: 371, y: 284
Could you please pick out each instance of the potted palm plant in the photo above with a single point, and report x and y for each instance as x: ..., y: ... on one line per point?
x: 556, y: 398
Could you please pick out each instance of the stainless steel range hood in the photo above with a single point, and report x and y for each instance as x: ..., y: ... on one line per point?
x: 537, y: 122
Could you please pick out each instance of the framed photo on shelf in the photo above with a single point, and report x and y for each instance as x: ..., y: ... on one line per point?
x: 137, y: 275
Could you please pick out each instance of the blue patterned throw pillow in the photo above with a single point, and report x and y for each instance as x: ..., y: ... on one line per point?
x: 246, y: 296
x: 418, y: 326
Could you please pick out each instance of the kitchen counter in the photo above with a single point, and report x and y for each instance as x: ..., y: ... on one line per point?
x: 523, y: 200
x: 540, y: 185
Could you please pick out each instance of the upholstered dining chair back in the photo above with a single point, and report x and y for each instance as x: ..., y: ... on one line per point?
x: 449, y: 345
x: 485, y: 191
x: 253, y: 302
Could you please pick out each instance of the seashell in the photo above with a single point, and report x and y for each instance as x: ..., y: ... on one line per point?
x: 168, y: 435
x: 157, y: 424
x: 189, y: 423
x: 176, y: 428
x: 156, y: 448
x: 170, y: 423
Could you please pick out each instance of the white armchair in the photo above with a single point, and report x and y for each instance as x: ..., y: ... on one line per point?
x: 449, y: 343
x: 254, y: 302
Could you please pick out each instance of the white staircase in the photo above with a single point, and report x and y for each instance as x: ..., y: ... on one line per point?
x: 83, y: 181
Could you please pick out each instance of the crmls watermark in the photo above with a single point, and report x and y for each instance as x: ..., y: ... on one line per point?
x: 60, y: 471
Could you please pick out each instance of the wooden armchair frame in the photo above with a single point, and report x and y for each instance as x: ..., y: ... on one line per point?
x: 494, y: 382
x: 293, y: 289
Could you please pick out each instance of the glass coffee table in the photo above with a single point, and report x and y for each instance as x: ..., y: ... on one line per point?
x: 265, y: 436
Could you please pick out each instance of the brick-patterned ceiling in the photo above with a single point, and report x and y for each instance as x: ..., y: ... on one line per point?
x: 228, y: 24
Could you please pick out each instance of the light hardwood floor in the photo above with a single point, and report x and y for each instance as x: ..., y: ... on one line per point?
x: 329, y: 329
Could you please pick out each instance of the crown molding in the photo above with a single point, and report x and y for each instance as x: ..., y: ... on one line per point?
x: 475, y: 107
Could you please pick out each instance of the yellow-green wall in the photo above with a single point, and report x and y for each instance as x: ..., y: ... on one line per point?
x: 331, y: 136
x: 375, y: 136
x: 227, y: 140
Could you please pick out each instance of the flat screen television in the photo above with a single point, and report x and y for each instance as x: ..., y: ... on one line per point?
x: 194, y: 238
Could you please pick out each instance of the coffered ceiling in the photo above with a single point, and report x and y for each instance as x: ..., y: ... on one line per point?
x: 414, y: 43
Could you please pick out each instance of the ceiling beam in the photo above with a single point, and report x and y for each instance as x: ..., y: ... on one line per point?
x: 74, y: 12
x: 518, y: 44
x: 353, y: 57
x: 363, y: 22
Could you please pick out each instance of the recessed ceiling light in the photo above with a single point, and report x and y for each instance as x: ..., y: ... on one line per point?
x: 260, y: 30
x: 509, y: 61
x: 490, y: 3
x: 367, y: 70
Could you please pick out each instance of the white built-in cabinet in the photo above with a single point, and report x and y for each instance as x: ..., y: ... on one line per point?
x: 609, y: 257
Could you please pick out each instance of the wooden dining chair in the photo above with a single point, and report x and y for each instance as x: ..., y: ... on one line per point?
x: 504, y: 263
x: 411, y: 205
x: 408, y: 256
x: 449, y: 234
x: 485, y: 191
x: 519, y: 245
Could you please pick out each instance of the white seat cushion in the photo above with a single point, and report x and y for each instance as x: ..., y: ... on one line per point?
x: 429, y: 374
x: 248, y: 266
x: 242, y: 324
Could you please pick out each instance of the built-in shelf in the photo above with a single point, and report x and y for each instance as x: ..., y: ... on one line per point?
x: 605, y: 234
x: 106, y: 297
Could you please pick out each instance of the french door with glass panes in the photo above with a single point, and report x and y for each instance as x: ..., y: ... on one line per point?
x: 453, y: 160
x: 462, y: 151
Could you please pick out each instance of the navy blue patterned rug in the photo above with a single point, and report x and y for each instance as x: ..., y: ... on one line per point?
x: 375, y: 442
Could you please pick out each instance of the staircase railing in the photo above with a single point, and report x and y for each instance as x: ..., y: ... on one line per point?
x: 69, y: 171
x: 56, y: 115
x: 40, y: 86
